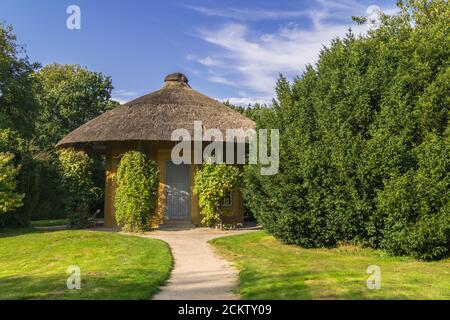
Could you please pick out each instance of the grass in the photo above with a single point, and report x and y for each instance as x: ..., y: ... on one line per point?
x: 33, y: 265
x: 50, y: 223
x: 272, y: 270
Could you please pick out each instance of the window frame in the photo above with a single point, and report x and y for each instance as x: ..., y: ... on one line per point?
x: 230, y: 204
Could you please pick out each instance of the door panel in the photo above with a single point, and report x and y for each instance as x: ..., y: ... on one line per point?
x: 177, y: 191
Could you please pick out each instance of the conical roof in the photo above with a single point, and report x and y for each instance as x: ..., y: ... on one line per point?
x: 156, y: 115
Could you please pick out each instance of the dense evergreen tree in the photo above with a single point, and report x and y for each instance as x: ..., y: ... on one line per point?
x: 365, y: 141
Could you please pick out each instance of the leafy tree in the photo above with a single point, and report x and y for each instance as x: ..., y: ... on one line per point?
x: 68, y: 96
x: 27, y: 177
x: 76, y: 170
x: 17, y: 105
x: 211, y: 183
x: 17, y: 116
x: 10, y: 199
x: 36, y: 110
x: 136, y: 191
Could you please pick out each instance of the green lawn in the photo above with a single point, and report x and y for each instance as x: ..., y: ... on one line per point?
x: 49, y: 223
x: 272, y: 270
x: 33, y: 265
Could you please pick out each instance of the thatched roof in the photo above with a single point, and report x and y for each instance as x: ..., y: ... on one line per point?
x: 154, y: 116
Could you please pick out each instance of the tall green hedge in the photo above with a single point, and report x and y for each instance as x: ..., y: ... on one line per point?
x: 136, y: 191
x: 364, y: 154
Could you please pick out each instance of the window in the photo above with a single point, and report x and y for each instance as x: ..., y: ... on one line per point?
x: 227, y: 199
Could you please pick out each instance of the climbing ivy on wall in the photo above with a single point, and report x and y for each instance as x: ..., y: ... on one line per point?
x: 136, y: 191
x: 211, y: 183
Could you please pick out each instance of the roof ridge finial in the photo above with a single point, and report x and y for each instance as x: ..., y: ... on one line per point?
x: 176, y: 77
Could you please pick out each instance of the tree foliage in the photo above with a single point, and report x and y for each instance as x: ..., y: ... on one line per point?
x: 17, y: 105
x: 50, y: 196
x: 211, y: 183
x: 67, y: 97
x: 27, y: 178
x: 10, y: 199
x: 257, y: 112
x: 37, y: 108
x: 76, y: 169
x: 136, y: 191
x: 365, y: 141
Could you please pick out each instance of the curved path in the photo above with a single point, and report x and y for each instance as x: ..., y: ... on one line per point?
x: 198, y: 273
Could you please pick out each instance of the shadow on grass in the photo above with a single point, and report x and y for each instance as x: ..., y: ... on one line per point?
x: 13, y: 232
x: 295, y: 286
x: 257, y: 286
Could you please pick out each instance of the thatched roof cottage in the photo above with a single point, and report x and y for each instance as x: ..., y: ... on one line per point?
x: 146, y: 124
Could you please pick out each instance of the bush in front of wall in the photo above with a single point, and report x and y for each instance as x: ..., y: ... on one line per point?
x: 76, y: 169
x: 136, y: 191
x: 211, y: 183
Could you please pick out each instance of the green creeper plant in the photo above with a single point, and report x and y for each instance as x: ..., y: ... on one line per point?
x: 211, y: 183
x: 136, y: 191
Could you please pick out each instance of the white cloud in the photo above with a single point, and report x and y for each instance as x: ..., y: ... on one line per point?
x: 120, y: 100
x: 123, y: 96
x: 252, y: 61
x: 124, y: 93
x: 256, y: 62
x: 220, y: 79
x: 249, y: 14
x: 209, y: 61
x: 245, y: 101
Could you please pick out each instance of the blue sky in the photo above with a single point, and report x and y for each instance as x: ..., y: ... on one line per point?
x: 228, y: 49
